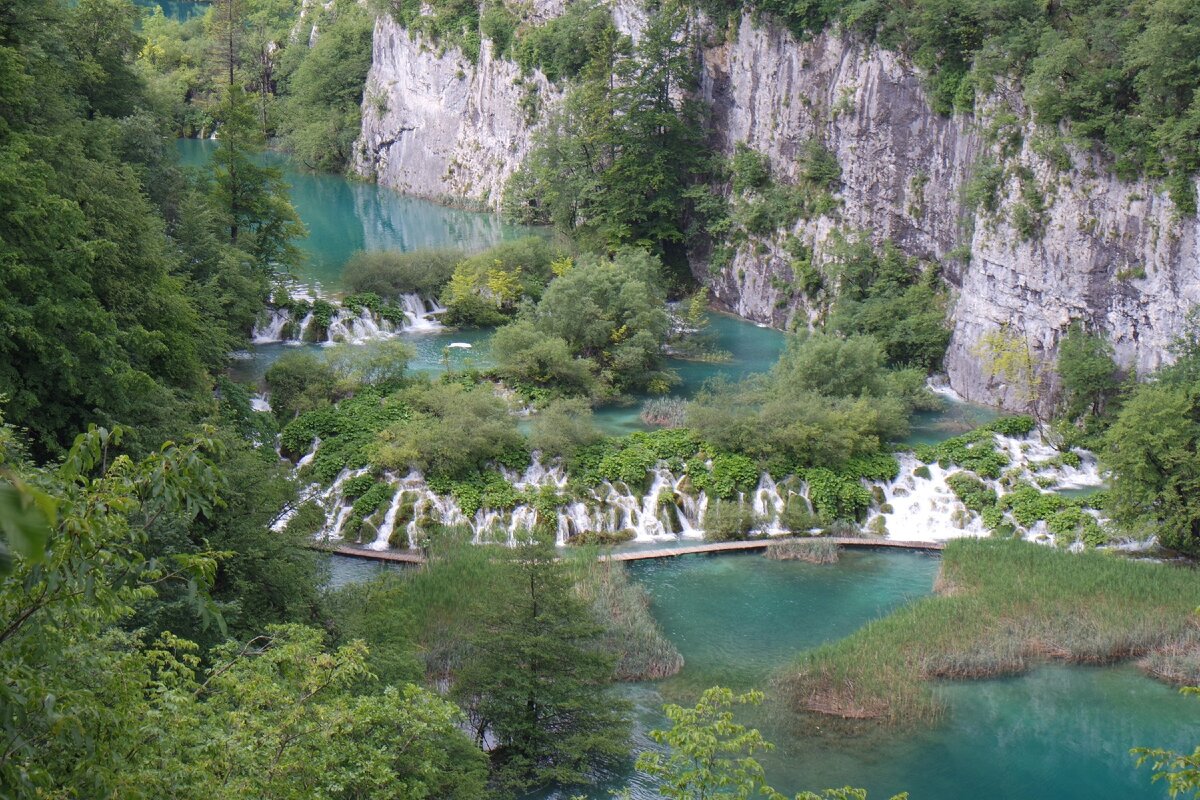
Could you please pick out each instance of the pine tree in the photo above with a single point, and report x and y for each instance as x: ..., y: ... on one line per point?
x: 535, y: 681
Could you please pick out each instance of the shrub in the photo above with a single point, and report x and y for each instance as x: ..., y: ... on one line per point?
x: 389, y: 273
x: 797, y: 515
x: 726, y: 521
x: 527, y: 356
x: 299, y: 381
x: 729, y: 475
x: 452, y: 431
x: 974, y: 493
x: 836, y: 496
x: 814, y: 550
x: 562, y: 428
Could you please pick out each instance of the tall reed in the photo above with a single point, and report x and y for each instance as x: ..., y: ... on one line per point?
x: 1001, y: 606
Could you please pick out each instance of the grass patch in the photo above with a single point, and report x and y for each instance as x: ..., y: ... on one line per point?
x: 813, y: 550
x: 623, y: 608
x: 1001, y: 606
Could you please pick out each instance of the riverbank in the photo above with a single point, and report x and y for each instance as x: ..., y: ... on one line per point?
x: 1002, y: 606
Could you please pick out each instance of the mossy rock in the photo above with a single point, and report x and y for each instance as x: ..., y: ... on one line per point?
x: 398, y: 539
x: 922, y: 472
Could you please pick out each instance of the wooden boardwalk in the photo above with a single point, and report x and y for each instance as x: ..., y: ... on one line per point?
x: 394, y: 556
x: 414, y: 557
x: 760, y: 544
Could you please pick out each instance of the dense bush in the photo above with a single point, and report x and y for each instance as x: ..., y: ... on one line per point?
x: 561, y: 428
x: 728, y: 476
x: 827, y: 400
x: 526, y: 356
x: 452, y: 431
x: 389, y: 273
x: 299, y: 381
x: 835, y: 496
x: 727, y: 520
x: 485, y: 289
x: 611, y: 312
x: 563, y: 46
x: 892, y: 298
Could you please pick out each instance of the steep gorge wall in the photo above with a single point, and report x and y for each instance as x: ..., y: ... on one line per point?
x: 1111, y: 253
x: 437, y: 126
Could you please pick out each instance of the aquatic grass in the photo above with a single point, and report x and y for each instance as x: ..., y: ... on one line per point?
x: 622, y: 606
x: 1177, y: 663
x: 1001, y: 606
x: 813, y: 550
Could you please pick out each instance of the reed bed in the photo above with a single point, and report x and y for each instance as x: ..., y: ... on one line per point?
x: 1002, y: 606
x: 623, y: 607
x: 812, y: 550
x: 1178, y: 663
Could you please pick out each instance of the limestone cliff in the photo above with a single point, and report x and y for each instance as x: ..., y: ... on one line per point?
x: 437, y: 126
x: 1114, y: 254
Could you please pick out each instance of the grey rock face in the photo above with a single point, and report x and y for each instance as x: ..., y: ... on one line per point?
x: 436, y: 126
x: 1114, y: 254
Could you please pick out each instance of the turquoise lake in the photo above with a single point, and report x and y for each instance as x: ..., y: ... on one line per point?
x: 175, y: 9
x: 1060, y: 732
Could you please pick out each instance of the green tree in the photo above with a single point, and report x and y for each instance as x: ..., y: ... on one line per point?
x: 299, y: 382
x: 535, y: 682
x: 709, y: 754
x: 612, y: 312
x: 1151, y: 449
x: 1180, y: 771
x: 257, y: 215
x: 323, y: 109
x: 531, y: 358
x: 104, y: 35
x: 1087, y: 371
x: 617, y: 165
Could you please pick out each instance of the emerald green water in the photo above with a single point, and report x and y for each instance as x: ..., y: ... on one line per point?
x: 1059, y: 732
x: 343, y: 216
x: 175, y: 9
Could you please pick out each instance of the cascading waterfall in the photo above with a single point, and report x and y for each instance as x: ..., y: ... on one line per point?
x: 279, y: 324
x: 926, y: 508
x: 419, y: 313
x: 918, y: 505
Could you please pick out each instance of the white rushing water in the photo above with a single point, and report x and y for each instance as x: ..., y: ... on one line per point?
x: 916, y: 506
x: 345, y: 327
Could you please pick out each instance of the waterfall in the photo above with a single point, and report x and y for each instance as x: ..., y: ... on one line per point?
x: 768, y: 505
x: 346, y: 328
x: 925, y: 509
x: 389, y: 523
x: 918, y: 505
x: 419, y: 314
x: 259, y: 402
x: 272, y: 331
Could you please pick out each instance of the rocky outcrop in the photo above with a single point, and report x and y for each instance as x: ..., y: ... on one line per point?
x: 437, y: 126
x: 1116, y: 255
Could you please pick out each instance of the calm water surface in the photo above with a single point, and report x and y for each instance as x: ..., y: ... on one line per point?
x: 343, y: 216
x: 175, y: 9
x: 1059, y: 732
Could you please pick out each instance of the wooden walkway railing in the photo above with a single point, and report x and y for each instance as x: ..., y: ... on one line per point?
x: 415, y: 557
